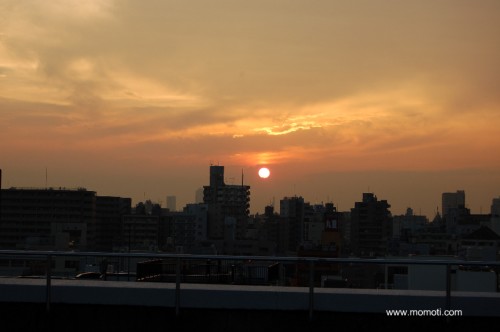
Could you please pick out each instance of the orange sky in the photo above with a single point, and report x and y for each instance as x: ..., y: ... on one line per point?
x: 138, y: 98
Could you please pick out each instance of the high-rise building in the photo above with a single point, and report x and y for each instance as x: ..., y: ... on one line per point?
x: 48, y: 219
x: 140, y: 232
x: 452, y: 201
x: 108, y: 227
x: 495, y: 215
x: 227, y: 205
x: 371, y: 226
x: 198, y: 195
x: 60, y: 219
x: 292, y: 211
x: 172, y: 203
x: 495, y: 208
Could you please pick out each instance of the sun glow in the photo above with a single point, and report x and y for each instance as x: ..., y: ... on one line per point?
x: 264, y: 172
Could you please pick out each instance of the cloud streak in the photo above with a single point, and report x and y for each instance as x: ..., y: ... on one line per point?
x: 334, y: 86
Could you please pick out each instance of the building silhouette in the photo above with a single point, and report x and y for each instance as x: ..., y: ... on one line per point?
x: 451, y: 201
x: 60, y: 219
x: 184, y: 232
x: 109, y: 217
x: 407, y: 224
x: 198, y: 195
x: 495, y: 215
x: 292, y: 218
x: 371, y: 227
x: 140, y: 232
x: 172, y: 203
x: 50, y: 219
x: 228, y: 206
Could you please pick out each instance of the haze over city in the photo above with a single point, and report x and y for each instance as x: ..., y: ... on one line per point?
x: 337, y: 98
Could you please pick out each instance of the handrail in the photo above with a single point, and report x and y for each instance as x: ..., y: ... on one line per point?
x: 311, y: 262
x: 397, y: 261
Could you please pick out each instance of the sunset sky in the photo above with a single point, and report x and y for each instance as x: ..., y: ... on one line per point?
x: 137, y: 98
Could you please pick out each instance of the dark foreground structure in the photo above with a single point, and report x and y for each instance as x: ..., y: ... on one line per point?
x: 90, y: 317
x: 97, y: 305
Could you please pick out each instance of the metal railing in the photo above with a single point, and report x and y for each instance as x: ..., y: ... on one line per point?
x: 179, y: 268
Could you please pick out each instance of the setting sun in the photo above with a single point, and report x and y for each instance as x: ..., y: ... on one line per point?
x: 264, y: 172
x: 337, y: 97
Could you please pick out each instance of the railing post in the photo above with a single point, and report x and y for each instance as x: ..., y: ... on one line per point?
x: 177, y: 286
x: 386, y: 276
x: 48, y: 285
x: 448, y: 286
x: 311, y: 289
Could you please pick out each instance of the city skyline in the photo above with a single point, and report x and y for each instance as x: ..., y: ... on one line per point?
x: 137, y: 99
x: 440, y: 206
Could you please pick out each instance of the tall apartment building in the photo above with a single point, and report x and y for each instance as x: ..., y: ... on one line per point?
x: 49, y: 219
x: 60, y: 219
x: 456, y: 216
x: 198, y: 195
x: 292, y: 214
x: 371, y: 226
x: 495, y: 215
x: 172, y: 203
x: 228, y: 206
x: 495, y: 207
x: 109, y: 213
x: 450, y: 201
x: 140, y: 232
x: 184, y: 231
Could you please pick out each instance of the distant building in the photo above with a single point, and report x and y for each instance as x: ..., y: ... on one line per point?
x: 267, y: 227
x: 409, y: 223
x: 451, y: 201
x: 226, y: 204
x: 495, y: 207
x: 371, y: 227
x: 109, y: 213
x: 184, y: 231
x: 292, y: 214
x: 331, y: 237
x: 480, y: 245
x: 140, y: 232
x: 172, y: 203
x: 48, y: 219
x: 198, y: 196
x: 431, y: 240
x: 495, y: 215
x: 459, y: 221
x: 61, y: 219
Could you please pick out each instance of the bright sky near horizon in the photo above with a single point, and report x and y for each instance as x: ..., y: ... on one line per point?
x: 137, y: 98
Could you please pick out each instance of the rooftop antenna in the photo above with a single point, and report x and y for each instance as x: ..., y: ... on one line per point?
x: 242, y: 177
